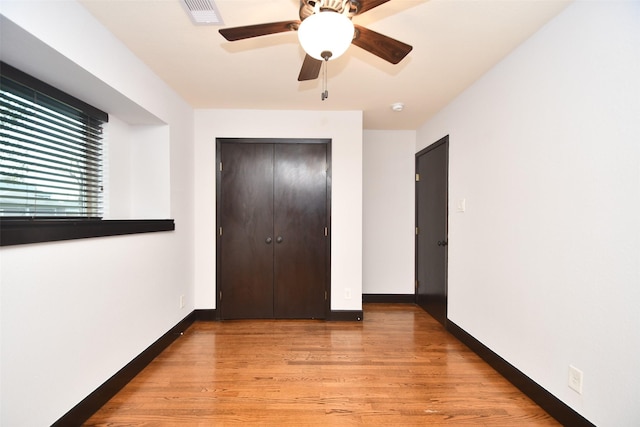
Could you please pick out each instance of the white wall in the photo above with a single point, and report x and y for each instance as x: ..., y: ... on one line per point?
x: 344, y: 128
x: 389, y: 212
x: 73, y: 313
x: 136, y: 171
x: 544, y: 266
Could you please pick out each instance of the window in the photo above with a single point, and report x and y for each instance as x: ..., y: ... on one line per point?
x: 51, y: 166
x: 50, y: 151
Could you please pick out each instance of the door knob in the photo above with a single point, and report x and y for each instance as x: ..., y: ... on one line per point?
x: 442, y: 243
x: 269, y: 240
x: 279, y: 239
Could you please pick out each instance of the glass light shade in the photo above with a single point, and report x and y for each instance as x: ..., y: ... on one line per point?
x: 326, y: 31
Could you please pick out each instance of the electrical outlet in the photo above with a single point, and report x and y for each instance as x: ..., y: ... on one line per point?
x: 181, y: 301
x: 575, y: 379
x: 347, y: 293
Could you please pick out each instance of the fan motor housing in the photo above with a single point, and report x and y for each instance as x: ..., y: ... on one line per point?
x: 308, y: 7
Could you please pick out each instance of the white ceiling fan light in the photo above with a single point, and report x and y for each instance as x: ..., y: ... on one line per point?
x: 326, y: 35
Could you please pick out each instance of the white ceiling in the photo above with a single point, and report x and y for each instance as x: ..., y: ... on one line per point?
x: 454, y: 43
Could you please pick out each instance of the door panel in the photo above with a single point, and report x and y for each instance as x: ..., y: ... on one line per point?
x: 431, y: 218
x: 246, y: 261
x: 300, y: 205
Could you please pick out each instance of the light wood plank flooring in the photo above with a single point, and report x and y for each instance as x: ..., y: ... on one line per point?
x: 398, y: 367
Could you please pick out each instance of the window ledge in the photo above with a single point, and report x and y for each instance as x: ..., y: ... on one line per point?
x: 20, y: 232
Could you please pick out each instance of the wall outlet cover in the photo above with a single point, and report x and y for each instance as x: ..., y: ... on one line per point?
x: 575, y: 379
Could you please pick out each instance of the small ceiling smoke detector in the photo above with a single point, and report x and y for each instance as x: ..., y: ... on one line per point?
x: 202, y: 12
x: 397, y: 107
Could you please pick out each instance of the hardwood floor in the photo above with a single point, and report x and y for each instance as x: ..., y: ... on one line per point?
x: 398, y: 367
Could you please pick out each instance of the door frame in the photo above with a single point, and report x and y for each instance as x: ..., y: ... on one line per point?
x: 219, y: 142
x: 442, y: 141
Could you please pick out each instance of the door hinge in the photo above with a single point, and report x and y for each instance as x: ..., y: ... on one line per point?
x: 220, y: 231
x: 220, y: 295
x: 416, y: 286
x: 325, y: 295
x: 220, y: 166
x: 326, y: 231
x: 417, y: 231
x: 417, y: 177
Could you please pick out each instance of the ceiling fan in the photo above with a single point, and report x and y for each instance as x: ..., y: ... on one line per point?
x: 339, y: 13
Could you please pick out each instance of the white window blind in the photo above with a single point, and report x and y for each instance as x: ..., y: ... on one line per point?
x: 50, y: 151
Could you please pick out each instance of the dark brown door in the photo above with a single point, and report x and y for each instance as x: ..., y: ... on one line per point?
x: 246, y: 243
x: 431, y: 223
x: 300, y: 218
x: 272, y: 214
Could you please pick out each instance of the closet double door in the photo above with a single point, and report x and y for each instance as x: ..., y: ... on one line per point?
x: 273, y: 229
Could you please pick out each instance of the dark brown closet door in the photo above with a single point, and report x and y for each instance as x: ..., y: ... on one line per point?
x: 246, y: 215
x: 300, y: 210
x: 272, y: 211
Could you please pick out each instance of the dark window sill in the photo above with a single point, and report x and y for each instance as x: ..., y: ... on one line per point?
x: 21, y: 232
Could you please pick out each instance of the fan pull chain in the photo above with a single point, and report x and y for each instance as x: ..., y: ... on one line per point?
x: 325, y: 92
x: 325, y: 55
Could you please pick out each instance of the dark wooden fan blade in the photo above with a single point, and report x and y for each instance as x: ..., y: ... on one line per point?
x: 380, y: 45
x: 369, y: 4
x: 310, y: 69
x: 248, y: 31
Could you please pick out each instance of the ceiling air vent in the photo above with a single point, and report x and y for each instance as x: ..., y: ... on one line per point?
x: 202, y: 12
